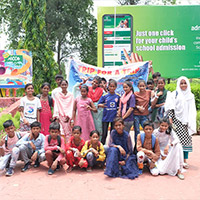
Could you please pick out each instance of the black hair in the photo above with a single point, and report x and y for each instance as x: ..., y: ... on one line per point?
x: 28, y: 84
x: 54, y: 126
x: 161, y: 78
x: 93, y: 132
x: 112, y: 81
x: 59, y: 76
x: 63, y: 80
x: 118, y: 119
x: 150, y: 82
x: 141, y: 81
x: 85, y: 87
x: 77, y: 128
x: 129, y: 85
x: 8, y: 123
x: 98, y: 79
x: 148, y: 123
x: 103, y: 79
x: 35, y: 124
x: 46, y: 84
x: 156, y: 74
x: 166, y: 120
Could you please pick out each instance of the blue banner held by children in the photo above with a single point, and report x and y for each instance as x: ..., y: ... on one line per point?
x: 132, y: 72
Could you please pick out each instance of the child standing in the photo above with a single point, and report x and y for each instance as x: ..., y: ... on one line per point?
x: 110, y: 103
x: 93, y: 151
x: 171, y: 160
x: 31, y: 147
x: 158, y: 102
x: 141, y: 111
x: 83, y: 105
x: 8, y: 148
x: 54, y: 148
x: 95, y: 93
x: 30, y: 107
x: 148, y: 149
x: 120, y: 161
x: 58, y: 79
x: 180, y: 106
x: 73, y: 149
x: 47, y: 104
x: 63, y: 109
x: 126, y: 106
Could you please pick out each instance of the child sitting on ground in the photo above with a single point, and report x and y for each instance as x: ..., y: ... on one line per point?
x: 8, y: 148
x: 73, y: 149
x: 93, y: 151
x: 148, y: 148
x: 54, y: 148
x: 31, y: 147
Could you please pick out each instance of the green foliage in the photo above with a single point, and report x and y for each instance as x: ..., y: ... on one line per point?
x: 15, y: 119
x: 198, y: 120
x: 35, y: 40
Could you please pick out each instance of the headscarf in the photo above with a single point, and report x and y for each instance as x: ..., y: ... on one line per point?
x: 183, y: 104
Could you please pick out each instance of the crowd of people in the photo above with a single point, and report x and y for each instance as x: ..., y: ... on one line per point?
x: 94, y: 128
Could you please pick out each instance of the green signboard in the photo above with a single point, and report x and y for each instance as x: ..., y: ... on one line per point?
x: 167, y: 35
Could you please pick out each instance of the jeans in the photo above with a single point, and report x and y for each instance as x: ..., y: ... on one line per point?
x: 138, y: 119
x: 92, y: 160
x: 128, y: 125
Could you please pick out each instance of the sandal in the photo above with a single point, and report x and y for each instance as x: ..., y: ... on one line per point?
x: 185, y: 165
x: 181, y: 176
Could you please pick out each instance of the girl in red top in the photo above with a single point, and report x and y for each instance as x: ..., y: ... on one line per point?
x: 95, y: 93
x: 73, y: 149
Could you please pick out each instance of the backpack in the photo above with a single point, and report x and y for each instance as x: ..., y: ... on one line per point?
x: 6, y: 140
x: 89, y: 143
x: 50, y: 99
x: 153, y: 139
x: 58, y: 139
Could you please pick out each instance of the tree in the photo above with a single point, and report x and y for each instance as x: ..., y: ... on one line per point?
x: 71, y: 28
x: 147, y: 2
x: 35, y: 40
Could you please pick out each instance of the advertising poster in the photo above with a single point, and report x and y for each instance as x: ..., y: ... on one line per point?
x: 167, y: 35
x: 15, y: 68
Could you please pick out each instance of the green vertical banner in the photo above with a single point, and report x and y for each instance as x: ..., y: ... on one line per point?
x: 167, y: 35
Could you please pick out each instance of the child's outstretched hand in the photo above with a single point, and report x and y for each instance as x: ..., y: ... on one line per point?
x: 102, y: 105
x: 166, y: 150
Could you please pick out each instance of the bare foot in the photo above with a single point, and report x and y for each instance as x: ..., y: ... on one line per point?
x: 69, y: 169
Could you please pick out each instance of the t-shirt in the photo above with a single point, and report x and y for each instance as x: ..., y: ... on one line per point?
x: 56, y: 90
x: 30, y: 108
x: 112, y: 103
x: 142, y: 99
x: 130, y: 103
x: 11, y: 143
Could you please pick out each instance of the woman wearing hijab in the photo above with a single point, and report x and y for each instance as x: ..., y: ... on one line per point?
x: 181, y: 109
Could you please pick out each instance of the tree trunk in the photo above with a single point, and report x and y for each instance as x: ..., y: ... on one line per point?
x: 58, y: 56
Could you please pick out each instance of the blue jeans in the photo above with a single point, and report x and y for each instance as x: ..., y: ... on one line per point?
x: 138, y: 119
x: 92, y: 160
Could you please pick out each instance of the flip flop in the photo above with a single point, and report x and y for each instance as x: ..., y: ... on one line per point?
x: 181, y: 176
x: 185, y: 165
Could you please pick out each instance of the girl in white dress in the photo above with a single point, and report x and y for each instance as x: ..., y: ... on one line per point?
x: 171, y: 159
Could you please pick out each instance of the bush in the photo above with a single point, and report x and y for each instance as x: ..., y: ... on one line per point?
x: 15, y: 119
x: 198, y: 120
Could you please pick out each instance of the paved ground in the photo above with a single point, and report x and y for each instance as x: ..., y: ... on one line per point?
x: 80, y: 185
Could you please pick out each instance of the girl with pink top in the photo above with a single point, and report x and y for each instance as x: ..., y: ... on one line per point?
x: 63, y: 109
x: 83, y: 106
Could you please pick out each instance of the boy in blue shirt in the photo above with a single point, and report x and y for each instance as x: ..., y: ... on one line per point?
x: 31, y: 147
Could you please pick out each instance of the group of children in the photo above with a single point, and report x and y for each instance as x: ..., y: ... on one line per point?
x: 77, y: 132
